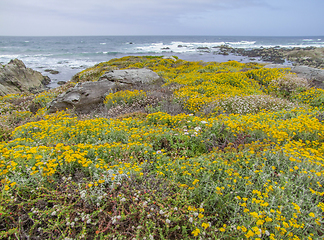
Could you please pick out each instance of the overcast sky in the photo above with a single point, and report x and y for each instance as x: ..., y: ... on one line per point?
x: 162, y: 17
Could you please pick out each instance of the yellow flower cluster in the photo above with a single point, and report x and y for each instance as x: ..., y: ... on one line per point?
x: 44, y: 98
x: 123, y: 97
x: 60, y: 142
x: 299, y: 124
x: 249, y: 175
x: 313, y: 96
x: 200, y: 86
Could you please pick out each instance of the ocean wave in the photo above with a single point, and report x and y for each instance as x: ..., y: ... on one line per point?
x: 176, y: 47
x: 9, y: 56
x: 241, y: 43
x: 103, y: 53
x: 40, y: 55
x: 288, y: 45
x: 187, y: 47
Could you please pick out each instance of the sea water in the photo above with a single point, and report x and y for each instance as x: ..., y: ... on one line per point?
x: 69, y: 55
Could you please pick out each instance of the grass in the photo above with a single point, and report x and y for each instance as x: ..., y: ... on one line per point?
x: 226, y: 151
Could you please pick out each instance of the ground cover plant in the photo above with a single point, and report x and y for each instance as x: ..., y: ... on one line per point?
x: 241, y: 158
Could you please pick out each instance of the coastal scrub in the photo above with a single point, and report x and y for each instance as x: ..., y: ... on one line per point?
x: 245, y: 161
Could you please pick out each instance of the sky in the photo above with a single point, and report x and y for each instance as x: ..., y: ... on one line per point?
x: 161, y: 17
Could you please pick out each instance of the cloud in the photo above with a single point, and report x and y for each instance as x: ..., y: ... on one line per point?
x: 124, y: 9
x: 138, y: 17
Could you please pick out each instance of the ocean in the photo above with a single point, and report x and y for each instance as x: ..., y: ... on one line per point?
x: 70, y: 55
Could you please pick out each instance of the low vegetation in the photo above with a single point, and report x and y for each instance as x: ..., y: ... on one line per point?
x: 227, y: 151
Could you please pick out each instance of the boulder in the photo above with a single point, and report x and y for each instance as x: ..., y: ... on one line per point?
x: 60, y: 83
x: 131, y: 76
x: 314, y: 76
x: 84, y: 97
x: 51, y: 71
x: 16, y: 78
x: 169, y: 57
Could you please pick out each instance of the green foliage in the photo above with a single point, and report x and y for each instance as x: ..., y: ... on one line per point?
x: 313, y: 97
x: 124, y: 97
x: 242, y: 165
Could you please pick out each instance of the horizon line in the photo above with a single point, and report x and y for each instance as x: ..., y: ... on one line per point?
x: 160, y: 35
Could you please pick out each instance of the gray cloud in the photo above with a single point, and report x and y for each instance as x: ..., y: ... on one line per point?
x: 125, y: 8
x: 102, y: 17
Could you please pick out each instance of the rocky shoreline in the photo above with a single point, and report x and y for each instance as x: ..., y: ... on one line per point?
x: 16, y: 78
x: 308, y: 56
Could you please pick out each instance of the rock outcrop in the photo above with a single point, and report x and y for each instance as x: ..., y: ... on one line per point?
x: 15, y: 77
x: 84, y: 97
x: 308, y: 56
x: 314, y: 76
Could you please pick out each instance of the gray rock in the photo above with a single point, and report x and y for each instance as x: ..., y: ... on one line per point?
x: 16, y: 78
x: 84, y: 97
x: 61, y: 83
x: 169, y: 57
x: 314, y: 76
x: 276, y: 66
x: 130, y: 76
x: 51, y: 71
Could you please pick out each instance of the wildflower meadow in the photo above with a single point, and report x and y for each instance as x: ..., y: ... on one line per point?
x: 243, y: 159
